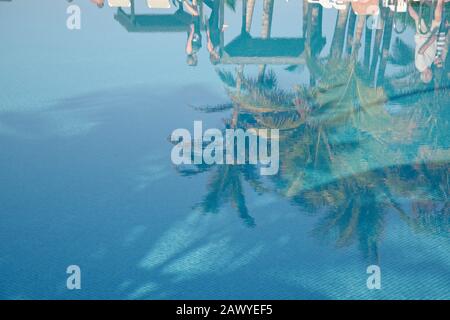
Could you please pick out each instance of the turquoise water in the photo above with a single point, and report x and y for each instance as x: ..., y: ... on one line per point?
x: 86, y: 176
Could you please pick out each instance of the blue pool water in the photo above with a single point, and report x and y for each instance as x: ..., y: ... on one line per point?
x: 86, y: 176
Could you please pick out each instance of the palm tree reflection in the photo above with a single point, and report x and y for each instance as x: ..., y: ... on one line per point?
x: 343, y: 156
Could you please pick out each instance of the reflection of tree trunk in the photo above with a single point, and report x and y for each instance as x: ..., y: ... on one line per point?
x: 239, y: 78
x: 377, y: 45
x: 307, y: 25
x: 313, y: 33
x: 249, y: 17
x: 133, y: 11
x: 266, y: 31
x: 267, y: 19
x: 316, y: 23
x: 351, y: 31
x: 358, y: 35
x: 312, y: 21
x: 339, y: 34
x: 236, y: 109
x: 367, y: 47
x: 386, y: 46
x: 305, y: 17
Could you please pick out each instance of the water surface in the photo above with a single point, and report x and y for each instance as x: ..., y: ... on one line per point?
x: 86, y: 175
